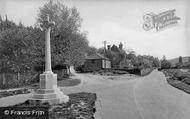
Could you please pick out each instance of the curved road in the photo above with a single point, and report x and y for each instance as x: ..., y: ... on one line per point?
x: 148, y: 97
x: 156, y: 99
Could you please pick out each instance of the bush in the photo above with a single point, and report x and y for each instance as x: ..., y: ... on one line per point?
x: 180, y: 75
x: 165, y: 64
x: 180, y: 85
x: 177, y: 74
x: 25, y: 78
x: 136, y: 71
x: 186, y: 80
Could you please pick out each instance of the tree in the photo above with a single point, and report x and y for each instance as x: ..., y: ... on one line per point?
x: 180, y: 59
x: 20, y: 49
x: 132, y: 57
x: 10, y: 41
x: 156, y: 63
x: 67, y: 42
x: 15, y: 49
x: 115, y: 54
x: 165, y: 64
x: 91, y: 51
x: 164, y: 57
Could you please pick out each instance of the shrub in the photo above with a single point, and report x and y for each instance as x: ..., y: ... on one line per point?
x: 180, y: 75
x: 165, y: 64
x: 177, y: 74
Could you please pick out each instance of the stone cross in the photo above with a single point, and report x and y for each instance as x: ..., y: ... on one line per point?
x: 48, y: 91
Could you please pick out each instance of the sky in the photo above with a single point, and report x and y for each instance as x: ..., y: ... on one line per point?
x: 118, y: 21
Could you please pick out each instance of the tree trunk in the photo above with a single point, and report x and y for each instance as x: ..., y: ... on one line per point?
x: 69, y: 71
x: 18, y: 76
x: 4, y: 79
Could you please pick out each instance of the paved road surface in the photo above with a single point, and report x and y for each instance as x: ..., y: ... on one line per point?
x: 157, y: 100
x: 149, y: 97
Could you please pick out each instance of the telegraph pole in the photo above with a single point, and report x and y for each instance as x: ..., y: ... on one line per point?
x: 104, y: 55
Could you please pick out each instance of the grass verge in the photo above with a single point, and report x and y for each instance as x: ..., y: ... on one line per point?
x: 178, y: 79
x: 62, y: 83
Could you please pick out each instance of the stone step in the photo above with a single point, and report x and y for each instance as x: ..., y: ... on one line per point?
x: 45, y: 91
x: 44, y: 96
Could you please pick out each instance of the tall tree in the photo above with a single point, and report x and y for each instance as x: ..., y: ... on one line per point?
x: 180, y: 59
x: 6, y: 27
x: 165, y: 64
x: 156, y: 62
x: 91, y: 51
x: 68, y: 43
x: 15, y: 49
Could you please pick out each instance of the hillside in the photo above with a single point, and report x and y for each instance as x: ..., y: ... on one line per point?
x: 176, y: 60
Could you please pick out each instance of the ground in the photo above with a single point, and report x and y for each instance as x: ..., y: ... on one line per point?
x: 149, y: 97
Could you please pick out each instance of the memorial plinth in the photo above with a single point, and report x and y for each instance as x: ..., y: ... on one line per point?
x: 48, y: 91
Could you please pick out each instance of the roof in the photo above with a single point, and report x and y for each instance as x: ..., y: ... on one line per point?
x: 96, y: 56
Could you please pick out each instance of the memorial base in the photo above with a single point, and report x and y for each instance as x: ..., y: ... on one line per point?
x: 48, y: 92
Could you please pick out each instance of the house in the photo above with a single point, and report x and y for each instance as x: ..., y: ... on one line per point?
x: 96, y: 62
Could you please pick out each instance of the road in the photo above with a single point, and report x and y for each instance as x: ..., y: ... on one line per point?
x: 156, y: 99
x: 148, y: 97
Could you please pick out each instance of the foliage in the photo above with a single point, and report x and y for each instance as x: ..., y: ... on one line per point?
x: 120, y: 58
x: 22, y: 48
x: 178, y: 79
x: 115, y: 54
x: 143, y: 61
x: 165, y: 64
x: 68, y: 43
x: 180, y: 85
x: 15, y: 49
x: 180, y: 59
x: 91, y: 51
x: 156, y: 63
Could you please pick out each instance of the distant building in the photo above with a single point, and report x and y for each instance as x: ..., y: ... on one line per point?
x: 96, y: 62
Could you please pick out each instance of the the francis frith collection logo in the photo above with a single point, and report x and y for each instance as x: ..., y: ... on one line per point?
x: 160, y: 21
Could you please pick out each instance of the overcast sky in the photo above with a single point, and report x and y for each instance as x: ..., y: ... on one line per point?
x: 118, y: 21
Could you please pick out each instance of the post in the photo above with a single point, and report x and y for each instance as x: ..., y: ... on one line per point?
x: 104, y: 56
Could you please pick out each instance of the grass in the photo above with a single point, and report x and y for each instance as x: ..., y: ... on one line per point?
x: 180, y: 85
x: 69, y: 82
x: 178, y: 79
x: 14, y: 92
x: 62, y: 83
